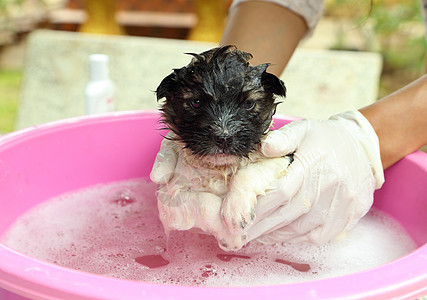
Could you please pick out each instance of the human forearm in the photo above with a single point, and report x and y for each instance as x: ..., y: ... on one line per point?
x: 266, y: 30
x: 400, y: 121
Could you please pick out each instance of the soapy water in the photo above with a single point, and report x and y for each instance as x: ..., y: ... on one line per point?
x: 114, y: 230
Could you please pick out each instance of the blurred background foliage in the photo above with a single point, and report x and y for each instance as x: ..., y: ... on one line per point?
x: 393, y: 28
x: 10, y: 82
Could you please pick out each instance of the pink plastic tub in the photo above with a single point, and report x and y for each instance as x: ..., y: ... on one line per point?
x: 45, y: 161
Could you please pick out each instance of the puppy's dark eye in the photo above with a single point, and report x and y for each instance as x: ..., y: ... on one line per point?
x: 195, y: 103
x: 248, y: 105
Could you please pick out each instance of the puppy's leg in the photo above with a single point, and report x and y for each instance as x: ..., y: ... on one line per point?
x: 238, y: 208
x: 187, y: 209
x: 209, y: 220
x: 175, y: 210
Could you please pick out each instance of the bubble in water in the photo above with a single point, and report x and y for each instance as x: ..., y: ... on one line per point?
x: 122, y: 196
x: 159, y: 249
x: 208, y: 270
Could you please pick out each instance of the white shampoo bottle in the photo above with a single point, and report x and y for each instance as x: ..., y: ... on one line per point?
x: 100, y: 90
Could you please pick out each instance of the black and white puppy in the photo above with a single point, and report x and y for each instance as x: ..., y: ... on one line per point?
x: 218, y: 108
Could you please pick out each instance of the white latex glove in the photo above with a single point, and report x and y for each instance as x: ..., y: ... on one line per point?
x: 165, y: 162
x: 328, y: 187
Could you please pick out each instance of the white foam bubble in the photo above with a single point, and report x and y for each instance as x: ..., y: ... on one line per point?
x: 114, y: 230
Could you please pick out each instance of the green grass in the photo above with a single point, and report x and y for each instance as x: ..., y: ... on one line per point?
x: 10, y: 83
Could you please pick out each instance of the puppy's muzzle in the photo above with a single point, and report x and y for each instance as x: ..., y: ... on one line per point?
x: 224, y: 142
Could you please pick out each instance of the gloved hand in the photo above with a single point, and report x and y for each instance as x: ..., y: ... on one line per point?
x: 328, y: 187
x: 165, y: 162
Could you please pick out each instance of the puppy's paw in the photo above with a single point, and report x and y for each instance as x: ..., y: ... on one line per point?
x: 232, y: 242
x: 238, y: 212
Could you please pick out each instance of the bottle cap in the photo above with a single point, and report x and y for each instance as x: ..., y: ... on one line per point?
x: 98, y: 65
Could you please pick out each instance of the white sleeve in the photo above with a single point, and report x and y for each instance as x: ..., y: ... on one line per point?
x: 310, y: 10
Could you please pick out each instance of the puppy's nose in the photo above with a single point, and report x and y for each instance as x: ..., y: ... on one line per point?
x: 222, y: 141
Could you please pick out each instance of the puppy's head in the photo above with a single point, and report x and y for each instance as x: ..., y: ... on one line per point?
x: 219, y: 106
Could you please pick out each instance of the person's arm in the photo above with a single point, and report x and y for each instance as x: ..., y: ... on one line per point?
x: 400, y: 121
x: 268, y: 31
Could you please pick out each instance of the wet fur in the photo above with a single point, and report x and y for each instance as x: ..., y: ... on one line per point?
x: 219, y: 103
x: 219, y: 107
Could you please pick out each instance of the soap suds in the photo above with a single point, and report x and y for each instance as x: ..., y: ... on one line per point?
x: 114, y: 230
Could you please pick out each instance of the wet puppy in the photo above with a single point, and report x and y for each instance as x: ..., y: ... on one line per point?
x: 218, y: 108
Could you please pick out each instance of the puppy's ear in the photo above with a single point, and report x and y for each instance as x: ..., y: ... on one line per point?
x: 167, y: 86
x: 273, y: 84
